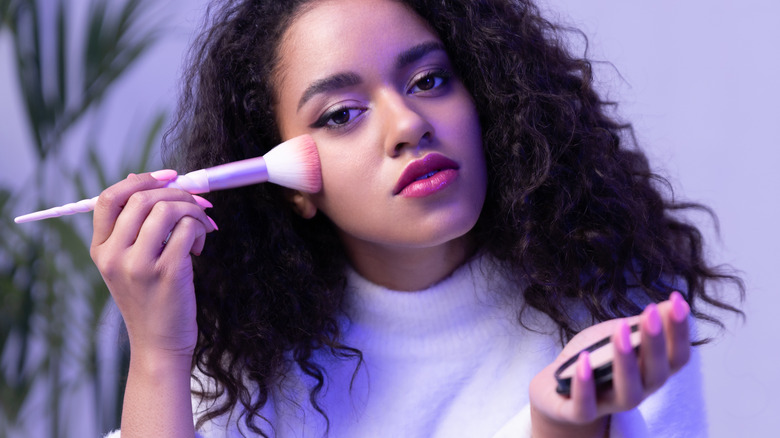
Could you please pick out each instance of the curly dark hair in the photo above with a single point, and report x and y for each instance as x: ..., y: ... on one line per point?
x: 573, y: 209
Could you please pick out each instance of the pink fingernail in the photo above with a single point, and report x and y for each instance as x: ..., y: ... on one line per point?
x: 583, y: 368
x: 203, y: 202
x: 624, y: 338
x: 214, y: 224
x: 164, y: 175
x: 680, y: 308
x: 654, y: 324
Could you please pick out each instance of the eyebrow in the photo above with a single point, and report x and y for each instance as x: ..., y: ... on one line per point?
x: 415, y: 53
x: 349, y: 79
x: 331, y: 83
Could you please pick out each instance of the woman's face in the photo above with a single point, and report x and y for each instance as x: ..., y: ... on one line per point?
x: 397, y: 132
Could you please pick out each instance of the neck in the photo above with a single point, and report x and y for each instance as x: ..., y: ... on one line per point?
x: 410, y: 269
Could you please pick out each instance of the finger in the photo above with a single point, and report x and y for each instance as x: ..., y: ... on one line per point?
x: 197, y: 247
x: 677, y: 331
x: 200, y: 240
x: 158, y: 229
x: 139, y: 206
x: 111, y: 202
x: 583, y: 391
x: 653, y: 353
x: 187, y: 237
x: 626, y: 376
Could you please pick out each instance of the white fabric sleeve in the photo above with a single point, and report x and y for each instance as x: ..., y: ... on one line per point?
x: 677, y: 410
x: 628, y: 424
x: 118, y: 434
x: 518, y: 426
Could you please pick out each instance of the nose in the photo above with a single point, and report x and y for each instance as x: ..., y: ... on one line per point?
x: 405, y: 125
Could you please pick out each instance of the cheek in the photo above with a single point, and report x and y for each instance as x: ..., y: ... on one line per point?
x: 469, y: 124
x: 459, y: 120
x: 467, y: 130
x: 349, y: 177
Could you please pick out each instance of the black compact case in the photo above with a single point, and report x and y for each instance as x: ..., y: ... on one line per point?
x: 602, y: 370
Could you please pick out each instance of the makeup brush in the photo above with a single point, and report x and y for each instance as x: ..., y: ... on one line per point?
x: 294, y: 164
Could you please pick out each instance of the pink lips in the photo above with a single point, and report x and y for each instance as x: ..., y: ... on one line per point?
x: 426, y: 176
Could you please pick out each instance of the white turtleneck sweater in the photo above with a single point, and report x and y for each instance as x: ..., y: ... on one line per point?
x: 449, y: 361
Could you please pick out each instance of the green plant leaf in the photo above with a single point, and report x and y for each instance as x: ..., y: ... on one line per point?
x: 26, y: 30
x: 96, y: 165
x: 6, y: 10
x: 71, y: 242
x: 139, y: 163
x: 45, y: 267
x: 62, y: 68
x: 94, y: 42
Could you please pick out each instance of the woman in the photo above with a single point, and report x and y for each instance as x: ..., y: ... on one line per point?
x: 478, y: 210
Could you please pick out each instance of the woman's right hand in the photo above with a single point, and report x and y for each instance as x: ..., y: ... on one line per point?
x: 148, y: 272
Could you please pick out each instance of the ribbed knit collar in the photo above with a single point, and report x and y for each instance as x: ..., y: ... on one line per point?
x: 446, y: 318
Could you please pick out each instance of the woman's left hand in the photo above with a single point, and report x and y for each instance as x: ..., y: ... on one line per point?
x: 665, y: 349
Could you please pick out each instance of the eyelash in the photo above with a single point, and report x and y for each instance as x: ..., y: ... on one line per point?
x: 324, y: 120
x: 444, y: 75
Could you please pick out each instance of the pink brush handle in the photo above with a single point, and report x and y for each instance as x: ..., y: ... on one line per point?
x: 193, y: 182
x: 82, y: 206
x: 225, y: 176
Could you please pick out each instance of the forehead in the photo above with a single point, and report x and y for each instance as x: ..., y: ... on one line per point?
x: 331, y: 36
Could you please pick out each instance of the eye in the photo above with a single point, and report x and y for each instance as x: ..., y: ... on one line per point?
x: 338, y: 117
x: 429, y: 81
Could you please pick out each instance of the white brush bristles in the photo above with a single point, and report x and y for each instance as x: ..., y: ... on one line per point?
x: 295, y: 164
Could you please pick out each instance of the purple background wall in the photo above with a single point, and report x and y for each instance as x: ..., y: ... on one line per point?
x: 699, y: 81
